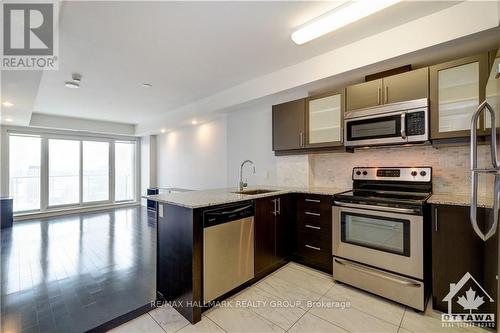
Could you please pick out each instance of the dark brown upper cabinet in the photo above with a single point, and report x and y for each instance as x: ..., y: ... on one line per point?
x: 456, y: 89
x: 391, y: 89
x: 289, y: 125
x: 324, y: 119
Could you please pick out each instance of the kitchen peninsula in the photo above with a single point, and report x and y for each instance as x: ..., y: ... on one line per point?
x: 180, y: 250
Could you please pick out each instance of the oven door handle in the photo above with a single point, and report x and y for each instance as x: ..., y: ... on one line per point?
x: 366, y: 270
x: 381, y: 208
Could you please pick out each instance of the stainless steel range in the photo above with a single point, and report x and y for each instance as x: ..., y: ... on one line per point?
x: 379, y: 232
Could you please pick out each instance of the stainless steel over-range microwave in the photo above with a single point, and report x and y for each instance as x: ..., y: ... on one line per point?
x: 397, y: 123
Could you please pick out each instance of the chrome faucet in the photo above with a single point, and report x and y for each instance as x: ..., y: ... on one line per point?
x: 242, y: 183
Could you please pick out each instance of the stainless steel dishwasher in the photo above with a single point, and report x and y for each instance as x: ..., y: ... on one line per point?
x: 228, y: 248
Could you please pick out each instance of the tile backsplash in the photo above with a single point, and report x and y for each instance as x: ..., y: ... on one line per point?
x: 450, y: 166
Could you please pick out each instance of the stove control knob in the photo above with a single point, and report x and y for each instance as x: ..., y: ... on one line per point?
x: 365, y: 173
x: 413, y: 173
x: 358, y: 172
x: 423, y: 173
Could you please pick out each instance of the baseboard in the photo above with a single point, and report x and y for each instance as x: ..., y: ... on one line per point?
x: 113, y: 323
x: 59, y: 212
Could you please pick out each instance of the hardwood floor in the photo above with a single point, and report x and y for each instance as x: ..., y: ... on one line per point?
x: 75, y: 272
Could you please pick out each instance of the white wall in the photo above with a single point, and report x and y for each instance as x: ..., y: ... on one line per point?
x: 193, y: 157
x: 209, y: 155
x: 145, y: 166
x: 249, y: 136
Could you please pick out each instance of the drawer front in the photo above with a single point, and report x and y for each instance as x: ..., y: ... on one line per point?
x: 397, y: 288
x: 314, y: 202
x: 314, y: 213
x: 310, y: 246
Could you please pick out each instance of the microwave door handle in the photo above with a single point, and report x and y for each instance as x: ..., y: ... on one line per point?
x: 403, y: 125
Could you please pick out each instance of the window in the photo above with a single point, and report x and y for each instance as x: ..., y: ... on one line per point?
x: 64, y: 172
x: 24, y: 172
x: 124, y: 171
x: 54, y: 170
x: 95, y: 171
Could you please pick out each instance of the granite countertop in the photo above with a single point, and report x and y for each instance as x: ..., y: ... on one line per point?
x: 460, y: 200
x: 206, y: 198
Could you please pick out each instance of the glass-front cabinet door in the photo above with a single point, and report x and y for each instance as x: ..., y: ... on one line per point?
x: 324, y: 117
x: 493, y: 90
x: 456, y: 90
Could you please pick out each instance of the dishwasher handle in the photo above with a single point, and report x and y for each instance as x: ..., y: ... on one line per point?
x: 227, y: 214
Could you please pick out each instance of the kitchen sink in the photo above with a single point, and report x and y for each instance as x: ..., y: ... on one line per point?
x: 257, y: 191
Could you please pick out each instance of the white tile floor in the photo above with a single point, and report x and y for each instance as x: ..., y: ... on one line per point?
x: 297, y: 299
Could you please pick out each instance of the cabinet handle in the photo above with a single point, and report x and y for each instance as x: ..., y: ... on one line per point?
x: 379, y: 92
x: 279, y: 206
x: 313, y: 214
x: 386, y: 94
x: 435, y: 219
x: 274, y: 212
x: 312, y: 227
x: 313, y: 200
x: 301, y: 136
x: 313, y: 247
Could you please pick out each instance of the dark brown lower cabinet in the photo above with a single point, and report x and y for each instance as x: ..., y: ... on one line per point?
x: 271, y: 233
x: 313, y: 232
x: 284, y: 227
x: 457, y: 250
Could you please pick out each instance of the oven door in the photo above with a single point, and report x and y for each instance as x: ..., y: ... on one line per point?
x: 387, y: 240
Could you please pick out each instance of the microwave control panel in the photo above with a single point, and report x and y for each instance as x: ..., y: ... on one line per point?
x: 415, y: 123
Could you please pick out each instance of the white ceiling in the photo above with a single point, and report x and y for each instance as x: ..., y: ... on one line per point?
x: 186, y: 50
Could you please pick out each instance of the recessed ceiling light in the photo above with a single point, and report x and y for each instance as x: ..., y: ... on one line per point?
x: 194, y: 122
x: 72, y: 85
x: 339, y: 17
x: 9, y: 120
x: 163, y: 130
x: 147, y: 85
x: 7, y: 104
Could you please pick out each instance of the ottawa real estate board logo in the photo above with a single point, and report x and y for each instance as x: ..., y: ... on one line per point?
x: 466, y: 301
x: 30, y: 39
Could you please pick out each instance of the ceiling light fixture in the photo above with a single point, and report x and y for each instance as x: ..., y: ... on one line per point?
x: 7, y: 104
x: 147, y: 85
x: 75, y: 82
x: 194, y: 122
x: 9, y: 120
x: 72, y: 85
x: 339, y: 17
x: 163, y: 130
